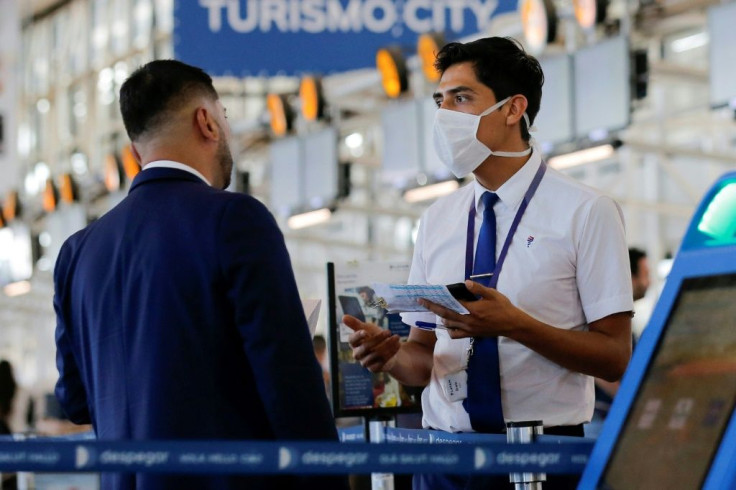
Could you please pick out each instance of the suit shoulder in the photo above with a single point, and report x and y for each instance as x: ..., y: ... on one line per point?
x: 238, y: 206
x: 70, y: 249
x: 242, y: 201
x: 74, y: 241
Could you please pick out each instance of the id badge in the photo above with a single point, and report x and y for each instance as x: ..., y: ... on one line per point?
x: 455, y: 386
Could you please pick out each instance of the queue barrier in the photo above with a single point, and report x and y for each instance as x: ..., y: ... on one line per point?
x: 407, y: 451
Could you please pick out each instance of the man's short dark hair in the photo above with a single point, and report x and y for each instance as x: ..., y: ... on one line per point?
x: 157, y: 88
x: 635, y: 255
x: 502, y: 65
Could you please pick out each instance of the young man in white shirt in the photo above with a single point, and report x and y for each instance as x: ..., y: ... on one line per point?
x: 560, y: 301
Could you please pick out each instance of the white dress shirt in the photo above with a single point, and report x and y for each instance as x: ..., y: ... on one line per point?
x: 176, y: 165
x: 567, y: 266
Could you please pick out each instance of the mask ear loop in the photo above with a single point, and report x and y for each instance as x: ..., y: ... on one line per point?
x: 530, y: 129
x: 494, y: 107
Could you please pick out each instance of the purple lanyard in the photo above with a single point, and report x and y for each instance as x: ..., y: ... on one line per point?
x: 515, y: 224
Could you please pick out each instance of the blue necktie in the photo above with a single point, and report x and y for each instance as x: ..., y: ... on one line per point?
x: 483, y: 402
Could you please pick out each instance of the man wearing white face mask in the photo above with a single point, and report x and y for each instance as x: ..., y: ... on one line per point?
x: 548, y: 257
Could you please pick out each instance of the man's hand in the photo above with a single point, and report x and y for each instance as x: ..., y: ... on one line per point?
x: 602, y: 350
x: 374, y: 347
x: 492, y: 315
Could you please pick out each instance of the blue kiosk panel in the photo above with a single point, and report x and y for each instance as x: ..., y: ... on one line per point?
x: 672, y: 423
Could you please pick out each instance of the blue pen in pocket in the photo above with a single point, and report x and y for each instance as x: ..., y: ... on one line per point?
x: 428, y: 326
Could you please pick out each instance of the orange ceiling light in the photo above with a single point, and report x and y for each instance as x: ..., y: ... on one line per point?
x: 588, y: 13
x: 282, y: 117
x: 130, y: 164
x: 391, y: 65
x: 11, y: 207
x: 50, y: 198
x: 539, y: 23
x: 428, y: 46
x: 112, y: 173
x: 68, y: 189
x: 585, y: 12
x: 310, y: 94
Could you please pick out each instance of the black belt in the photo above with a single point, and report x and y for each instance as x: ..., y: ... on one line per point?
x: 565, y: 430
x: 558, y: 430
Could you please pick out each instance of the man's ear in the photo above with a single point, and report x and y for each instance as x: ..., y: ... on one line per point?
x: 517, y: 108
x: 206, y: 124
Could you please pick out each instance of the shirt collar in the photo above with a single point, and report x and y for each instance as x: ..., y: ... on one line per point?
x: 178, y: 166
x: 512, y: 191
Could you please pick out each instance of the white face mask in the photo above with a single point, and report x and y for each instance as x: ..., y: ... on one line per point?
x: 457, y: 144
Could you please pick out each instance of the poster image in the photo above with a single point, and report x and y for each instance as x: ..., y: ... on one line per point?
x: 355, y: 390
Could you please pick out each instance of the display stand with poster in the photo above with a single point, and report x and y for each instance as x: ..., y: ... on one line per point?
x: 356, y: 392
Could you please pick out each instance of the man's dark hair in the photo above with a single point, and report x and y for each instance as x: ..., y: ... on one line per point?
x: 157, y: 88
x: 502, y: 65
x: 635, y: 255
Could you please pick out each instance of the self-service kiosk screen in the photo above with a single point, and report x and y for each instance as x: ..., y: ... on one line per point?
x: 686, y: 398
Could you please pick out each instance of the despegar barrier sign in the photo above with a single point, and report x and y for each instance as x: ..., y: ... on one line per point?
x: 292, y: 37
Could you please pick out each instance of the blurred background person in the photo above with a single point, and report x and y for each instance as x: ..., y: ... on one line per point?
x: 605, y: 390
x: 8, y: 387
x: 7, y: 395
x: 320, y: 352
x: 640, y: 275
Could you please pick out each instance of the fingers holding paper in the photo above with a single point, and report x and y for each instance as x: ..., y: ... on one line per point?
x: 374, y: 347
x: 492, y: 315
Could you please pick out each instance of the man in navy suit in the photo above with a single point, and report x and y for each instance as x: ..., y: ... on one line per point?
x: 178, y: 315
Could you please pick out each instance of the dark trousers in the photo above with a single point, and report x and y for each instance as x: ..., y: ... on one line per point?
x: 485, y: 482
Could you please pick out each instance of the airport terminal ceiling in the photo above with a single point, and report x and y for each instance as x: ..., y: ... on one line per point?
x: 675, y: 146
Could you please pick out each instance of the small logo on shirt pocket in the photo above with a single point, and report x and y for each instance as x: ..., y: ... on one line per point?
x: 529, y: 241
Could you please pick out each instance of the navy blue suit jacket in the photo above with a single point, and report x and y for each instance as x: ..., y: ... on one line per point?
x: 178, y: 317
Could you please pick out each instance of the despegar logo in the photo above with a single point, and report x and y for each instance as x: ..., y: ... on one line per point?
x: 540, y: 459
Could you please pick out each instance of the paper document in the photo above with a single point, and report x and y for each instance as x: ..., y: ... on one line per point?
x: 311, y: 311
x: 399, y: 298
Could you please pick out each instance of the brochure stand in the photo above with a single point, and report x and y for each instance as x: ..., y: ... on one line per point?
x: 355, y: 390
x: 377, y: 397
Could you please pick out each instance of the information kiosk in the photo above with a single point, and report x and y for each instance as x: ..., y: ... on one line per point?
x: 672, y: 423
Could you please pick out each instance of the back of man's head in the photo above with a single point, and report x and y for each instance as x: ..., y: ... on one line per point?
x: 502, y: 65
x: 156, y: 90
x: 639, y: 272
x: 635, y: 255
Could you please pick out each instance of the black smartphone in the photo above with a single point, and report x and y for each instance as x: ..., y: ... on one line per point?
x: 351, y: 306
x: 460, y: 292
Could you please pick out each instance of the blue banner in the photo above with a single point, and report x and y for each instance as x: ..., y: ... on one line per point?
x: 291, y: 37
x: 251, y: 457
